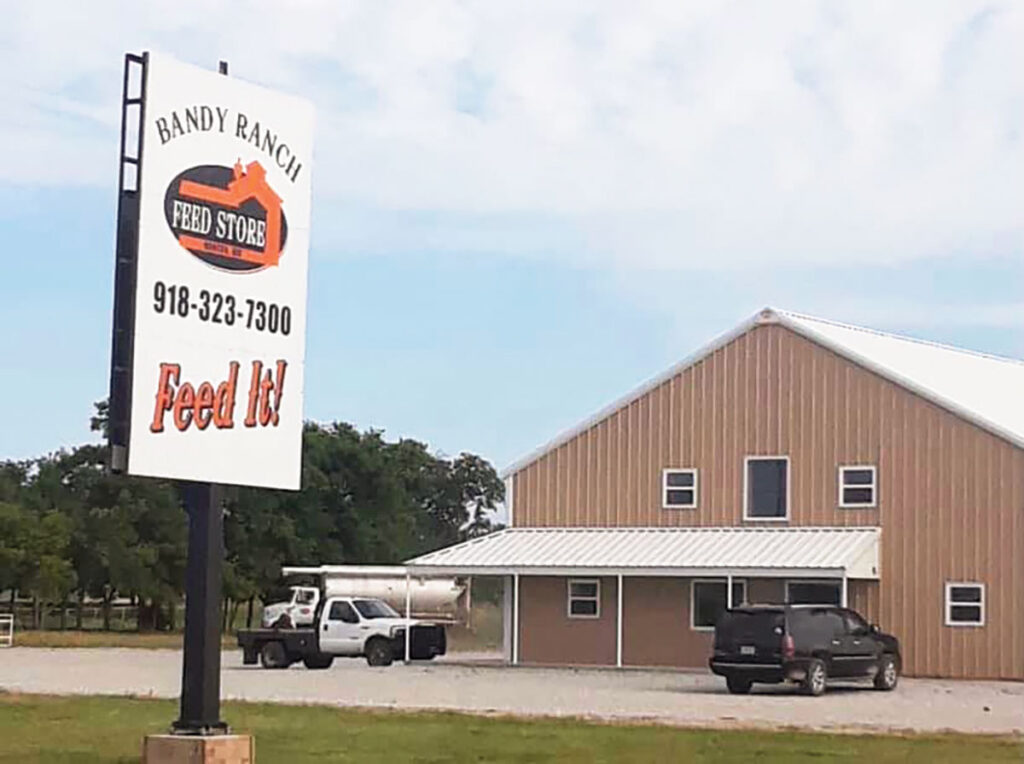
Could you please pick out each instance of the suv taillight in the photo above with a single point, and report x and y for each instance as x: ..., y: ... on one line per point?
x: 788, y: 648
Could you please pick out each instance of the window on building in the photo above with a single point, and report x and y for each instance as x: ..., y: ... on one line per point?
x: 766, y: 491
x: 814, y: 592
x: 965, y: 604
x: 679, y: 489
x: 584, y: 598
x: 708, y: 601
x: 857, y: 486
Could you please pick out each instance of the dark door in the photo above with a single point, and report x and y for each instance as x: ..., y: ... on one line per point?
x: 832, y: 628
x: 860, y: 648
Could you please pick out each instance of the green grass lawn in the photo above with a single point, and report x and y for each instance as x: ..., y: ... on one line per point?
x: 70, y: 638
x: 93, y: 729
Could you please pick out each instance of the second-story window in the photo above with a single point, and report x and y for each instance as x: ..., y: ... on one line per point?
x: 766, y: 489
x: 679, y: 489
x: 965, y: 604
x: 858, y: 486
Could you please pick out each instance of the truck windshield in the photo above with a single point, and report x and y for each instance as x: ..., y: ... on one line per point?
x: 370, y: 609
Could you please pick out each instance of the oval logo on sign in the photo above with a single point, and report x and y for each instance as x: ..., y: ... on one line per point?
x: 229, y: 218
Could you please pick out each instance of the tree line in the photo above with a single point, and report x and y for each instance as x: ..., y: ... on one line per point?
x: 72, y: 530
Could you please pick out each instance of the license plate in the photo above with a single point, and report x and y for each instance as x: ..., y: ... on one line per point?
x: 747, y: 650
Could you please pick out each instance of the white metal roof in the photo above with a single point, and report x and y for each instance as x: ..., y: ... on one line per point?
x: 983, y: 389
x: 346, y: 571
x: 662, y: 551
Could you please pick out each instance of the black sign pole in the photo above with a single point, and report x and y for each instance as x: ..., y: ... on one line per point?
x: 204, y: 576
x: 200, y: 681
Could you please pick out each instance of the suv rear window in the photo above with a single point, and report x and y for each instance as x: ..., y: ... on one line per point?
x: 739, y: 624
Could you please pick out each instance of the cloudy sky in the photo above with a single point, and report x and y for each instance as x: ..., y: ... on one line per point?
x: 522, y: 210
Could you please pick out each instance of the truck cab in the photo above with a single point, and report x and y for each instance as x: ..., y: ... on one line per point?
x: 349, y: 623
x: 299, y: 608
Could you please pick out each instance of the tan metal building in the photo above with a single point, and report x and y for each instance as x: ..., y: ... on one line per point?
x: 792, y: 459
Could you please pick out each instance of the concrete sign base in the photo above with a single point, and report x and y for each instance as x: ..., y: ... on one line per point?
x: 199, y: 749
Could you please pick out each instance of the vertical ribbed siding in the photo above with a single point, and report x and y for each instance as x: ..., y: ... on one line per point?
x: 951, y: 496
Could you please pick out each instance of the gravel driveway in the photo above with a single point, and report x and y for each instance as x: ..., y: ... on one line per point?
x: 677, y: 698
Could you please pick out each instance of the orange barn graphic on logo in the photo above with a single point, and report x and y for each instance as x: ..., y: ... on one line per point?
x: 231, y: 219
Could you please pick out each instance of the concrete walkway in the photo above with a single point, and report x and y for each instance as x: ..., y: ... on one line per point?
x: 676, y: 698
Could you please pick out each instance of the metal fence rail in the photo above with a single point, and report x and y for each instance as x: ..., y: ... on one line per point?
x: 6, y: 630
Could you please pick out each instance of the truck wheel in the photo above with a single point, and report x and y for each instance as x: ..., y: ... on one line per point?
x: 378, y: 653
x: 888, y: 673
x: 318, y: 661
x: 273, y: 656
x: 738, y: 686
x: 816, y: 679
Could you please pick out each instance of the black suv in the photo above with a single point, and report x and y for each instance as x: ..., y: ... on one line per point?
x: 806, y: 644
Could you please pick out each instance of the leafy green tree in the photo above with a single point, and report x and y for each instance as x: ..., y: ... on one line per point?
x: 15, y: 524
x: 100, y: 420
x: 128, y: 535
x: 480, y: 492
x: 364, y: 500
x: 47, y: 573
x: 13, y: 476
x: 67, y: 523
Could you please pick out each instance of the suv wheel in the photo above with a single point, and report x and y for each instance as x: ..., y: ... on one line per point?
x: 888, y: 673
x: 737, y: 685
x: 273, y: 656
x: 378, y: 652
x: 816, y: 679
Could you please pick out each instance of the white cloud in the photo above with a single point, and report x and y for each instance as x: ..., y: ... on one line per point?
x: 663, y: 135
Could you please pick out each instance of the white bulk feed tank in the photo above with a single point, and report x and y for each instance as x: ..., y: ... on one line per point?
x: 434, y: 597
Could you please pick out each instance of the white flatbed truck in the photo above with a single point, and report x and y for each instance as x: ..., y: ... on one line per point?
x: 345, y: 627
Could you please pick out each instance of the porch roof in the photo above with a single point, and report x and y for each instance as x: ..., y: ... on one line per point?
x: 743, y: 551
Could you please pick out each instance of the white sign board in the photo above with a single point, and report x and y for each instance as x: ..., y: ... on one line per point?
x: 220, y: 301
